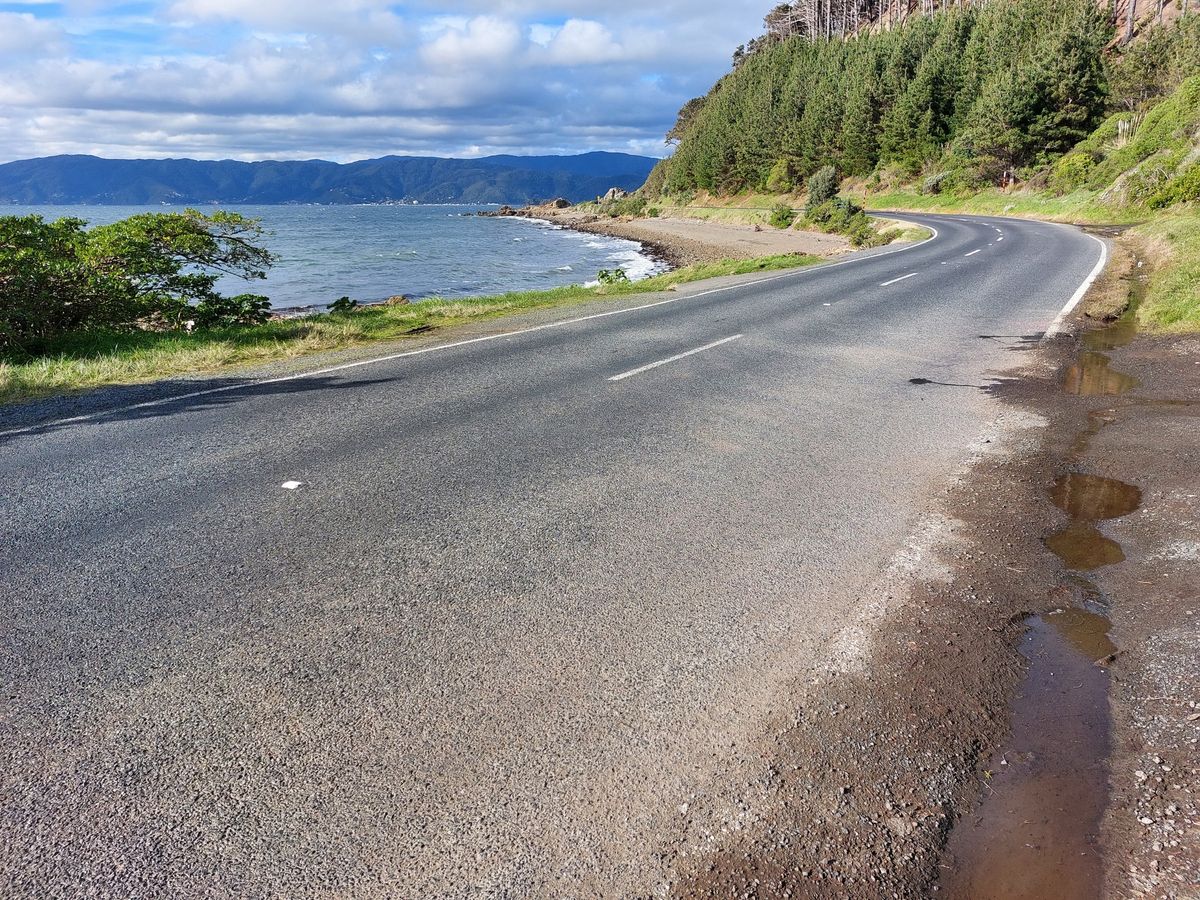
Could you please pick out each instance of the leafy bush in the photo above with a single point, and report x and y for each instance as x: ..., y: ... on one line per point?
x: 653, y: 212
x: 612, y: 276
x: 782, y: 216
x: 145, y: 271
x: 822, y: 187
x: 1071, y: 171
x: 842, y: 216
x: 46, y: 288
x: 626, y: 206
x: 231, y: 312
x: 343, y: 305
x: 1184, y: 188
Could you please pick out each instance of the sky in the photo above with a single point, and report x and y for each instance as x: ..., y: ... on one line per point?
x: 353, y: 79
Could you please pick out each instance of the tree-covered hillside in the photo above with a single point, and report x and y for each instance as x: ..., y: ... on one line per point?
x: 965, y: 97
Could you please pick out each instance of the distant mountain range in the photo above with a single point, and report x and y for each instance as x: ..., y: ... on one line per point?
x: 491, y: 179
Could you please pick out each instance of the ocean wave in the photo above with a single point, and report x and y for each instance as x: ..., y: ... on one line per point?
x: 637, y: 265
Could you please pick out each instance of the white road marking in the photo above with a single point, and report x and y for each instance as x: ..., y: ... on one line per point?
x: 999, y: 239
x: 827, y: 304
x: 670, y: 359
x: 506, y: 335
x: 292, y: 485
x: 973, y: 252
x: 901, y: 278
x: 1057, y: 325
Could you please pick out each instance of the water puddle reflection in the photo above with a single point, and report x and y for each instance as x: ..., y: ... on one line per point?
x: 1090, y: 376
x: 1092, y: 497
x: 1035, y: 834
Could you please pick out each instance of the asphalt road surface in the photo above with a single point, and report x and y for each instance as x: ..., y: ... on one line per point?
x: 477, y: 621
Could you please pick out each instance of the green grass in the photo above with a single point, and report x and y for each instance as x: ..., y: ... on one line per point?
x: 1078, y: 206
x: 1172, y: 300
x: 94, y: 360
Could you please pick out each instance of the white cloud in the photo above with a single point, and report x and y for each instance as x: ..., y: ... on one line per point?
x: 280, y: 78
x: 483, y: 40
x: 22, y: 35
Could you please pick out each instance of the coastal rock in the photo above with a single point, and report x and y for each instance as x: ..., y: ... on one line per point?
x: 616, y: 194
x: 559, y: 203
x: 397, y: 300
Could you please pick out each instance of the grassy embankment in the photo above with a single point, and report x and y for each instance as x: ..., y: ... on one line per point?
x: 98, y: 359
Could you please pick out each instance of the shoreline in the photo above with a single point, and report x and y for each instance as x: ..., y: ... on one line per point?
x: 680, y: 242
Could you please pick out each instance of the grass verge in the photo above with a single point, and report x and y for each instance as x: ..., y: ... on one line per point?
x: 94, y: 360
x: 1172, y: 299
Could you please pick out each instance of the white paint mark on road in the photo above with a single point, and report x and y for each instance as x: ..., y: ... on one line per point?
x: 999, y: 239
x: 827, y: 304
x: 1056, y: 325
x: 292, y: 485
x: 973, y: 252
x: 670, y: 359
x: 901, y: 278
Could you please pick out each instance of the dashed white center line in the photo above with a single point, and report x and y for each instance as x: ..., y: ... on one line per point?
x: 901, y: 278
x: 999, y: 239
x: 292, y: 485
x: 973, y: 252
x: 671, y: 359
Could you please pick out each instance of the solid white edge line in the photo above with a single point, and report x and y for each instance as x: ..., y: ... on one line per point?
x: 901, y: 278
x: 670, y: 359
x: 1057, y: 325
x: 87, y: 417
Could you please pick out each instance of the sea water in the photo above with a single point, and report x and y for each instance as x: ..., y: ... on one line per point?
x: 374, y: 252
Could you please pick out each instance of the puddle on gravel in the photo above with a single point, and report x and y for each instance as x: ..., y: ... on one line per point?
x: 1112, y: 336
x: 1034, y: 836
x: 1089, y: 499
x: 1083, y: 548
x: 1090, y: 376
x: 1092, y: 498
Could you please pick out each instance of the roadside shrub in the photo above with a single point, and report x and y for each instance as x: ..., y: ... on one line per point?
x: 782, y: 216
x: 1070, y: 172
x: 626, y: 206
x: 231, y: 312
x: 842, y: 216
x: 822, y: 187
x: 343, y: 305
x: 612, y: 276
x: 46, y: 288
x: 653, y: 212
x: 1184, y: 188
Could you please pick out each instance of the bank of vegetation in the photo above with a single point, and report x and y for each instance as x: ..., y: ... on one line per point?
x: 1028, y: 107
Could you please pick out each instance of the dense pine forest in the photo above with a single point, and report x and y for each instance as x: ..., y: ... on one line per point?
x: 960, y: 98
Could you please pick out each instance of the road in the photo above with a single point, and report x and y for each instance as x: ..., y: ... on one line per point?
x: 530, y: 594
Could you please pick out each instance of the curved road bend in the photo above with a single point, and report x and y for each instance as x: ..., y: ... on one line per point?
x: 518, y: 606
